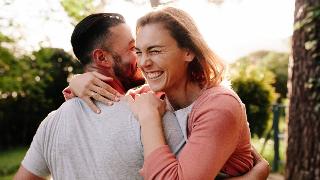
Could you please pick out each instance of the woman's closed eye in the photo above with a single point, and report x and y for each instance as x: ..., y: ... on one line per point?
x: 138, y: 52
x: 154, y: 52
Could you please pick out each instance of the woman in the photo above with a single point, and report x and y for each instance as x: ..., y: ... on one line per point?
x: 175, y: 59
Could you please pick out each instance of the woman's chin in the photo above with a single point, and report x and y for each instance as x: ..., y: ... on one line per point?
x: 155, y: 88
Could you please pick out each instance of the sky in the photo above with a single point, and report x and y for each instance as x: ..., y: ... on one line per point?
x: 233, y: 29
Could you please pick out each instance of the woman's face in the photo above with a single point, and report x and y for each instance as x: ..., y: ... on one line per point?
x: 162, y: 62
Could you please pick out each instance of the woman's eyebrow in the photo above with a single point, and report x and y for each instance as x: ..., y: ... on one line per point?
x: 150, y: 47
x: 155, y: 46
x: 137, y: 49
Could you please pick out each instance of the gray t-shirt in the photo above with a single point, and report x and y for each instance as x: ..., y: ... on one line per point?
x: 75, y: 143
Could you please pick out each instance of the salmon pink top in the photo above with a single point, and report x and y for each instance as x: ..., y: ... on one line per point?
x: 218, y: 141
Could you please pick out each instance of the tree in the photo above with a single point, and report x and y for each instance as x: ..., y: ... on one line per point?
x: 78, y: 9
x: 303, y: 152
x: 30, y: 87
x: 277, y: 63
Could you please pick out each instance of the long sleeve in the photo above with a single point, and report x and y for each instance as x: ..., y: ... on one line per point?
x: 215, y: 125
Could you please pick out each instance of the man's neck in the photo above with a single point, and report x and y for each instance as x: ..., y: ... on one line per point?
x: 136, y: 80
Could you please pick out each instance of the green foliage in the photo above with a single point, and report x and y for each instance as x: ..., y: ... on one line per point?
x: 253, y: 85
x: 30, y: 88
x: 78, y: 9
x: 4, y: 38
x: 275, y: 62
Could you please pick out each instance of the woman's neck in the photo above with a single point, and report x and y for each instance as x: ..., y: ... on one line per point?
x: 184, y: 95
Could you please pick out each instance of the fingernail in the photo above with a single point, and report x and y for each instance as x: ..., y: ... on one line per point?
x: 110, y: 103
x: 98, y: 111
x: 116, y: 99
x: 119, y: 95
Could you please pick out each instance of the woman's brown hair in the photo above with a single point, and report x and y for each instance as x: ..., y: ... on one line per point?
x: 206, y: 68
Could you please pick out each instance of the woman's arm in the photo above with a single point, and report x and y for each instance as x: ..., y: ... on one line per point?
x: 89, y: 86
x: 260, y: 170
x: 149, y: 109
x: 215, y: 132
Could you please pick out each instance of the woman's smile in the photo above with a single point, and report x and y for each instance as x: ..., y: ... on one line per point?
x: 154, y: 75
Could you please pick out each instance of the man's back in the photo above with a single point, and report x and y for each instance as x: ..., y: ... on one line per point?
x: 76, y: 143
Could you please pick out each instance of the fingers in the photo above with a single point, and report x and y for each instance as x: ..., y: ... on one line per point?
x: 100, y: 98
x: 130, y: 100
x: 105, y: 93
x: 91, y: 105
x: 102, y: 77
x: 105, y: 89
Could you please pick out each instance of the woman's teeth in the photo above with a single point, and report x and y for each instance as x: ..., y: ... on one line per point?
x: 154, y: 75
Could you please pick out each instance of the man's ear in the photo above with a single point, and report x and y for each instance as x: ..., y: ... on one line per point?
x: 189, y: 55
x: 102, y: 58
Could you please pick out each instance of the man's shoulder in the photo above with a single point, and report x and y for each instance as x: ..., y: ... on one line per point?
x: 77, y: 104
x: 72, y: 104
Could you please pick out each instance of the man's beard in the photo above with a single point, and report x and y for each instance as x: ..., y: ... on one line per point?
x: 131, y: 80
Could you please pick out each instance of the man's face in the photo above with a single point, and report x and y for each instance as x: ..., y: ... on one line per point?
x: 124, y: 55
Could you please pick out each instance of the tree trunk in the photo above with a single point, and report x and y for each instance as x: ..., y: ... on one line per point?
x: 303, y: 152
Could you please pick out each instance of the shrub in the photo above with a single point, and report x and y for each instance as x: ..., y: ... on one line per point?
x: 30, y: 88
x: 253, y: 86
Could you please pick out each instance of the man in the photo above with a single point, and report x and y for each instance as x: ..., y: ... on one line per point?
x: 75, y: 143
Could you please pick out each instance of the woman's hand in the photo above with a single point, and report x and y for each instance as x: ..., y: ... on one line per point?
x: 91, y: 85
x: 146, y: 106
x: 149, y: 109
x: 261, y: 167
x: 134, y: 91
x: 68, y: 94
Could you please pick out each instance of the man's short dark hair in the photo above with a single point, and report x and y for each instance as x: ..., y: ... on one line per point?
x: 91, y: 33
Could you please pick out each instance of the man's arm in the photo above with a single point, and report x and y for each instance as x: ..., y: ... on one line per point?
x: 34, y: 165
x: 24, y: 174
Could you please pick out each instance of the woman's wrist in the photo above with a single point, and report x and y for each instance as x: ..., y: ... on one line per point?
x: 151, y: 131
x: 150, y: 117
x: 152, y: 137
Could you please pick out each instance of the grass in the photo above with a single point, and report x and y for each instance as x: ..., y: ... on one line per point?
x: 10, y: 161
x: 9, y: 177
x: 268, y: 152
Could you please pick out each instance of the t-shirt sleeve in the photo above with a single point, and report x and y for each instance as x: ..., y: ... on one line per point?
x: 34, y: 160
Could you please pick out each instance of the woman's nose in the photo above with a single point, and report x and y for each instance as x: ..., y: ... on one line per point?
x: 144, y: 61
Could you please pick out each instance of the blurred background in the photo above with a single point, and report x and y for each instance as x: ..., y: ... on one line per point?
x: 36, y: 60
